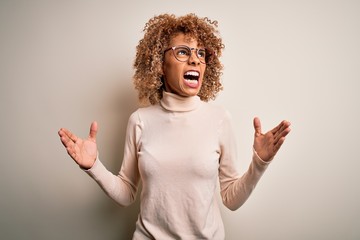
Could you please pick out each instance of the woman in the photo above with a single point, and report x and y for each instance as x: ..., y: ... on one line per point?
x: 180, y: 145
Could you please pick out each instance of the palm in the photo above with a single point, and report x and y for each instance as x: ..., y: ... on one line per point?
x: 85, y: 152
x: 267, y: 145
x: 82, y: 151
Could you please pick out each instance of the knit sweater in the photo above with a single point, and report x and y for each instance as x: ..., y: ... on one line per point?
x: 179, y: 149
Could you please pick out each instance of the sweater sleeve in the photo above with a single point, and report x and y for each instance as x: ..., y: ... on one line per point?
x: 236, y: 189
x: 122, y: 187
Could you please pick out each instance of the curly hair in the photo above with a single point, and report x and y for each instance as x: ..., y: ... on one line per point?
x: 158, y: 32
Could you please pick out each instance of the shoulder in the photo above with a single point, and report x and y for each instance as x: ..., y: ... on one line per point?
x: 216, y: 110
x: 144, y: 113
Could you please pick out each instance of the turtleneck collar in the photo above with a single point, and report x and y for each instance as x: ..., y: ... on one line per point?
x: 176, y: 103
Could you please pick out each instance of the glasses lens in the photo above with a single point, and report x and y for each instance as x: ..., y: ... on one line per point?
x: 182, y: 53
x: 201, y: 53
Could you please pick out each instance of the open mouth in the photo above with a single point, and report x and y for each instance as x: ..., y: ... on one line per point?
x: 192, y: 77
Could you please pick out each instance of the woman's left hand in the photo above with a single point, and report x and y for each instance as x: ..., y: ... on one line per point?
x: 268, y: 144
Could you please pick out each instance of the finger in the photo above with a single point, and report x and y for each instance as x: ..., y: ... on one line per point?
x: 280, y: 129
x: 277, y: 128
x: 282, y: 135
x: 93, y: 131
x: 279, y: 144
x: 72, y: 153
x: 69, y: 134
x: 257, y: 126
x: 284, y: 128
x: 277, y: 131
x: 65, y: 140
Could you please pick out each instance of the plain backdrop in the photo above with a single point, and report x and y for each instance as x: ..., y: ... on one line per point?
x: 67, y: 63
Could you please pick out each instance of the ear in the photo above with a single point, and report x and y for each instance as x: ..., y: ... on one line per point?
x: 162, y: 69
x: 163, y: 66
x: 163, y: 81
x: 162, y: 72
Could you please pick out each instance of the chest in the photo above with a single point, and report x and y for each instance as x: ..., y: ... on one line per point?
x: 177, y: 146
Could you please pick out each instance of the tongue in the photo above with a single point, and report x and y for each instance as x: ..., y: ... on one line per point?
x: 191, y: 83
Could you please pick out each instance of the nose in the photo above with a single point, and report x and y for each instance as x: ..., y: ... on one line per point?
x: 193, y: 59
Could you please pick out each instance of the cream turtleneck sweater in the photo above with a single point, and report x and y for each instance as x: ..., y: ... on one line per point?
x: 179, y: 149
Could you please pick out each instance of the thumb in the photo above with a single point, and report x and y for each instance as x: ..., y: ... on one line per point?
x: 93, y: 131
x: 257, y: 126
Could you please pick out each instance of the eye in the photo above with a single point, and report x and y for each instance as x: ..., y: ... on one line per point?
x: 181, y: 51
x: 201, y: 53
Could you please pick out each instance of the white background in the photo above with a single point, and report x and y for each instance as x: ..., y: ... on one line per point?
x: 67, y: 63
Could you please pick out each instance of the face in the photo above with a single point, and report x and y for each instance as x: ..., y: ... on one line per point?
x: 183, y: 78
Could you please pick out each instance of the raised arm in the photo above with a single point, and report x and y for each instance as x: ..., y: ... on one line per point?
x: 122, y: 187
x: 236, y: 189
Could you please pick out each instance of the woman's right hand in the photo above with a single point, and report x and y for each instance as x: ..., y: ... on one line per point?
x: 83, y: 151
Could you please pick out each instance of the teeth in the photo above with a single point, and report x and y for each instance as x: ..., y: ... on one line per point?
x: 192, y: 73
x: 191, y: 81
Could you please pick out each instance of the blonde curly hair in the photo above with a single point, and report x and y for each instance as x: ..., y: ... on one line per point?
x: 158, y: 31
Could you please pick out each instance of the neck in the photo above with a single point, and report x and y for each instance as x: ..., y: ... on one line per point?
x: 176, y: 103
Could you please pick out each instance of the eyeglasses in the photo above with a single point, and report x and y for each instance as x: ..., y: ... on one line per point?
x: 182, y: 53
